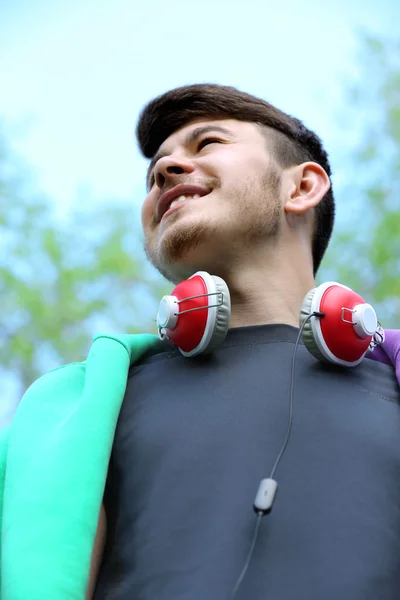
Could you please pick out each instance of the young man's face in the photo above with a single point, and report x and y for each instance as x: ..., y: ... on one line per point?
x: 231, y: 203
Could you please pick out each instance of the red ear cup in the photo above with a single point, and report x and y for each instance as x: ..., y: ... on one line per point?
x: 347, y: 329
x: 195, y: 317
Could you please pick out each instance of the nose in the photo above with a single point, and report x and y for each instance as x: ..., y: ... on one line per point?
x: 169, y: 166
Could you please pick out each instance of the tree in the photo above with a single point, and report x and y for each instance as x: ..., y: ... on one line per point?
x: 365, y: 252
x: 63, y: 280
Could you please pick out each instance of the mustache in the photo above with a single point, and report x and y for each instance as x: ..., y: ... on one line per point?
x: 210, y: 183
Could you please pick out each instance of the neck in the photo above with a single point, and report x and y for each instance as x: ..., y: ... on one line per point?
x: 268, y: 290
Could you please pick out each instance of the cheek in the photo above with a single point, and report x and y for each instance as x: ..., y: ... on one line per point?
x: 235, y: 173
x: 147, y: 212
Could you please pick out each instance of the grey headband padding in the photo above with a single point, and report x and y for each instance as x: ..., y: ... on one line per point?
x: 308, y: 335
x: 223, y: 315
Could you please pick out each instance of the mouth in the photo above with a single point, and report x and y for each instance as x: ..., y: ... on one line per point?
x: 178, y: 195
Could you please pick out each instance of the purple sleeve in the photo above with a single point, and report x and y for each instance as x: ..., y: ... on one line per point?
x: 389, y: 351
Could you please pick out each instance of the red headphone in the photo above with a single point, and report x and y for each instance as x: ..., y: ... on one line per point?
x: 195, y: 317
x: 182, y: 319
x: 348, y: 328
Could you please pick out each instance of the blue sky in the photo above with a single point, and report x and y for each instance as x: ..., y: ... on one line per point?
x: 75, y: 75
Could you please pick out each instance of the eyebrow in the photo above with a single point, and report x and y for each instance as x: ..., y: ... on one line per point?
x: 189, y: 139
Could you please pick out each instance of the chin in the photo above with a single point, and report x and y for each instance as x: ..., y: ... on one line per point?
x: 180, y: 255
x: 184, y: 265
x: 181, y: 240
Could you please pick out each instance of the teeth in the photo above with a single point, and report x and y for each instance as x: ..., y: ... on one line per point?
x: 183, y: 197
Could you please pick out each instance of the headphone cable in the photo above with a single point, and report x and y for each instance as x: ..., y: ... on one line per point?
x: 260, y: 513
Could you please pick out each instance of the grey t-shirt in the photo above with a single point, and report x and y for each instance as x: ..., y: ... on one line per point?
x: 196, y: 436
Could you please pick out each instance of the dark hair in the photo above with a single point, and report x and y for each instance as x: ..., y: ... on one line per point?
x: 292, y: 142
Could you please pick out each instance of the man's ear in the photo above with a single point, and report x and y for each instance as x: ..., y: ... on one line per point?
x: 308, y: 183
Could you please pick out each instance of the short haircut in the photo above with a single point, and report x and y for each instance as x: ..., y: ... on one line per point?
x: 291, y: 142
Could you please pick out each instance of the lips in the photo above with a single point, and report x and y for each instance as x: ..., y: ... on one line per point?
x: 180, y: 190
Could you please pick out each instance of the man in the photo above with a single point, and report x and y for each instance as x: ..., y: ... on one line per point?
x: 171, y: 453
x: 249, y: 199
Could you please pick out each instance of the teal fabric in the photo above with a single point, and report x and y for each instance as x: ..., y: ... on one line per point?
x: 53, y: 466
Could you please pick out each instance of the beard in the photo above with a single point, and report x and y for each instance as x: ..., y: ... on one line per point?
x: 176, y: 245
x: 254, y: 218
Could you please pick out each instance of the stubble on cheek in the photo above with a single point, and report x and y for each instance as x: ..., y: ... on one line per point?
x: 260, y: 208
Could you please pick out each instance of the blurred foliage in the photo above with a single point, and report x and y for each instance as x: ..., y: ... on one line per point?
x: 61, y: 280
x: 365, y: 252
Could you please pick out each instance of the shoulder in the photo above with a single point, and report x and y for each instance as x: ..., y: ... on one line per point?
x: 154, y: 360
x: 379, y: 378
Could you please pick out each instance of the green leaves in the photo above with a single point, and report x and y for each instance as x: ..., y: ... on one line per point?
x: 61, y: 281
x: 365, y: 252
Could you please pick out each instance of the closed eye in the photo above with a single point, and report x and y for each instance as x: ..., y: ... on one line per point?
x: 208, y: 141
x: 201, y: 144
